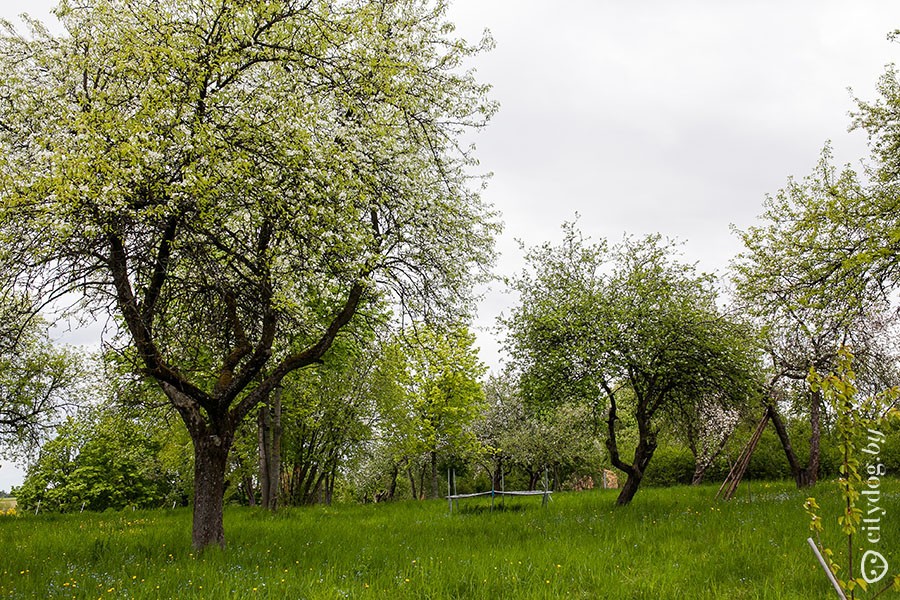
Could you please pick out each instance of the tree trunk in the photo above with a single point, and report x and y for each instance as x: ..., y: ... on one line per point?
x: 263, y: 424
x: 392, y: 488
x: 412, y: 482
x: 699, y: 471
x: 434, y: 476
x: 269, y: 440
x: 329, y: 488
x: 423, y: 469
x: 812, y: 469
x: 642, y: 454
x: 275, y: 451
x: 632, y: 483
x: 248, y: 489
x: 210, y: 461
x: 803, y: 476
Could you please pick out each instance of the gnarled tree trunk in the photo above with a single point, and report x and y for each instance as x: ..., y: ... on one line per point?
x: 210, y: 462
x: 642, y: 454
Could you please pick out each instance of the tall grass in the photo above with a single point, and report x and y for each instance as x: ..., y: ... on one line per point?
x: 669, y: 543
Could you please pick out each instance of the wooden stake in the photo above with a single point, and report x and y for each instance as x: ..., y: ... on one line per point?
x: 730, y: 485
x: 837, y: 586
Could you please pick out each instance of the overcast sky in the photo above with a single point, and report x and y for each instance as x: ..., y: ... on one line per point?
x: 654, y: 116
x: 661, y: 116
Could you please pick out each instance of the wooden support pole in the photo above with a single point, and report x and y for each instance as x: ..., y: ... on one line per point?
x: 731, y: 482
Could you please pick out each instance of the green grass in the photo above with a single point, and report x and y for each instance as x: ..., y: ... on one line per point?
x: 669, y: 543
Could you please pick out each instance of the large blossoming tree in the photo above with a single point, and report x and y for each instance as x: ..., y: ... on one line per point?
x: 235, y: 182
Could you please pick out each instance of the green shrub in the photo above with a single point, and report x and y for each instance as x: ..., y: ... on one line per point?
x: 671, y: 465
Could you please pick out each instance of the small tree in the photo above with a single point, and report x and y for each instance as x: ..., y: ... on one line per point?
x: 859, y: 426
x: 705, y: 427
x: 102, y: 458
x: 445, y: 396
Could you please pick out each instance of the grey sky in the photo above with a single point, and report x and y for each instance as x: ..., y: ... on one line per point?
x: 671, y: 117
x: 676, y: 117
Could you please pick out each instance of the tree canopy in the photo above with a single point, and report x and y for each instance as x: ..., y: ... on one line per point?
x: 39, y: 381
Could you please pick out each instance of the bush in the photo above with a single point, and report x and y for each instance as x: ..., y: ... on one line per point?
x: 670, y: 465
x: 890, y: 449
x: 99, y: 460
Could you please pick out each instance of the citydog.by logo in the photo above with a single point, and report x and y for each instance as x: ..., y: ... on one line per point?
x: 873, y: 565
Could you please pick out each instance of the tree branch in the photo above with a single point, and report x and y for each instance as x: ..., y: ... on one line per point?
x: 160, y: 272
x: 611, y: 442
x: 138, y: 328
x: 309, y: 356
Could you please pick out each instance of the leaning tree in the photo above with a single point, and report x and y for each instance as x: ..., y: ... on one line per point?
x: 234, y: 182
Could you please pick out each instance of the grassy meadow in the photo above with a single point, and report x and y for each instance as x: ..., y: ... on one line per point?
x: 669, y: 543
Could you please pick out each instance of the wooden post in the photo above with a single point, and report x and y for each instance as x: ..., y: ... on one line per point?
x: 730, y: 485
